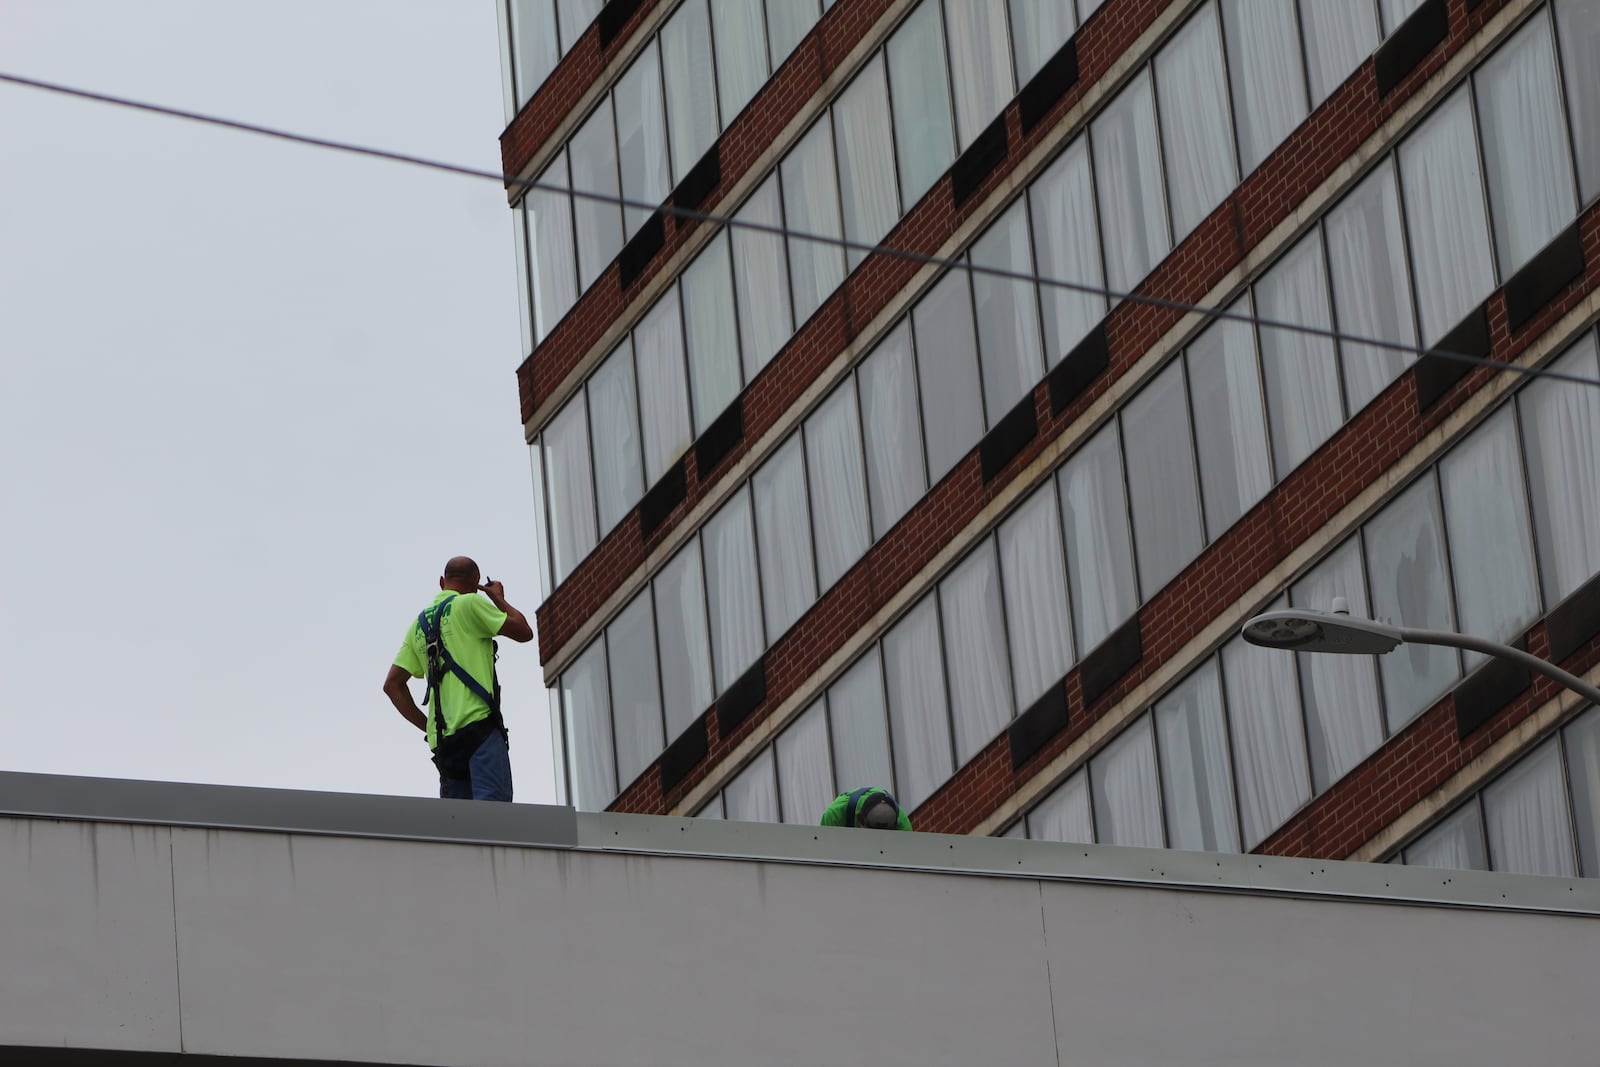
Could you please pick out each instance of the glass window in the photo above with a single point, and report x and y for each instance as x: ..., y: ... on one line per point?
x: 1269, y: 88
x: 788, y: 22
x: 588, y: 723
x: 641, y: 137
x: 924, y: 137
x: 761, y: 279
x: 732, y: 591
x: 614, y: 413
x: 740, y: 31
x: 1229, y: 429
x: 1491, y: 545
x: 947, y: 370
x: 663, y: 395
x: 1301, y: 371
x: 551, y: 241
x: 593, y: 151
x: 805, y: 773
x: 681, y: 632
x: 1455, y: 844
x: 1007, y: 312
x: 855, y: 715
x: 838, y: 489
x: 1371, y: 285
x: 1269, y: 748
x: 1127, y: 168
x: 535, y: 50
x: 712, y: 809
x: 1161, y: 482
x: 713, y: 339
x: 1339, y: 36
x: 1443, y: 189
x: 1064, y: 814
x: 571, y: 503
x: 888, y: 386
x: 1127, y: 801
x: 1038, y: 30
x: 1094, y: 522
x: 558, y: 744
x: 1582, y: 740
x: 691, y: 86
x: 1067, y: 246
x: 1561, y: 435
x: 975, y: 651
x: 525, y: 296
x: 783, y: 538
x: 867, y: 192
x: 811, y: 206
x: 1578, y: 28
x: 1196, y: 140
x: 541, y: 518
x: 1395, y: 12
x: 752, y: 796
x: 980, y: 63
x: 1343, y: 721
x: 1035, y: 583
x: 1525, y: 814
x: 635, y: 691
x: 1195, y: 780
x: 1410, y: 587
x: 919, y: 718
x: 576, y: 15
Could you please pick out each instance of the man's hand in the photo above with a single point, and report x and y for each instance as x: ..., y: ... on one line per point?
x: 516, y: 625
x: 495, y: 591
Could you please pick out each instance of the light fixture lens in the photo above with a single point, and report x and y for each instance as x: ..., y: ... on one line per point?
x: 1284, y: 633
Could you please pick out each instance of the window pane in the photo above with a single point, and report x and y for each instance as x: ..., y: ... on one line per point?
x: 1582, y: 740
x: 1064, y: 814
x: 732, y: 591
x: 1301, y: 371
x: 805, y: 775
x: 761, y: 280
x: 681, y: 631
x: 1405, y: 561
x: 1067, y: 247
x: 1395, y: 12
x: 594, y: 169
x: 614, y: 413
x: 635, y: 692
x: 588, y: 721
x: 576, y: 15
x: 535, y: 50
x: 571, y: 503
x: 1525, y: 814
x: 1127, y: 167
x: 525, y: 296
x: 691, y: 91
x: 740, y: 32
x: 888, y: 386
x: 783, y: 538
x: 1443, y: 189
x: 919, y: 718
x: 663, y: 395
x: 558, y: 744
x: 1578, y: 28
x: 980, y: 63
x: 1008, y: 313
x: 838, y: 490
x: 924, y: 137
x: 1343, y: 722
x: 1269, y: 88
x: 541, y: 518
x: 1561, y: 434
x: 1371, y: 285
x: 866, y: 160
x: 860, y: 741
x: 1161, y: 484
x: 708, y: 324
x: 1268, y: 744
x: 712, y: 809
x: 947, y: 368
x: 1035, y: 579
x: 788, y: 22
x: 1491, y: 545
x: 753, y: 795
x: 1339, y: 35
x: 1094, y: 517
x: 975, y: 651
x: 1455, y: 844
x: 1195, y: 134
x: 1127, y: 803
x: 1195, y: 780
x: 1229, y: 429
x: 641, y: 137
x: 553, y: 247
x: 811, y: 206
x: 1038, y: 30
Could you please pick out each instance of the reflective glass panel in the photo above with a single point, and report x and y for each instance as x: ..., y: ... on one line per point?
x: 1064, y: 814
x: 663, y: 393
x: 805, y: 773
x: 635, y: 689
x: 919, y: 717
x: 783, y: 538
x: 1269, y: 750
x: 1561, y: 438
x: 686, y: 67
x: 598, y: 223
x: 975, y: 651
x: 947, y: 370
x: 868, y: 195
x: 681, y: 633
x: 1301, y: 370
x: 588, y: 728
x: 1339, y: 34
x: 838, y: 485
x: 732, y: 592
x: 1582, y: 743
x: 919, y: 89
x: 753, y: 795
x: 571, y: 501
x: 1196, y: 136
x: 1371, y: 285
x: 713, y: 340
x: 1269, y: 86
x: 1066, y: 243
x: 1525, y: 816
x: 1196, y: 783
x: 1455, y: 844
x: 1127, y: 167
x: 1578, y: 30
x: 980, y: 63
x: 740, y: 30
x: 811, y: 206
x: 1229, y: 428
x: 552, y: 247
x: 761, y: 280
x: 1127, y: 800
x: 1161, y: 480
x: 1038, y: 30
x: 641, y: 137
x: 614, y: 414
x: 855, y: 717
x: 1094, y: 523
x: 1035, y: 582
x: 888, y: 389
x: 1007, y: 313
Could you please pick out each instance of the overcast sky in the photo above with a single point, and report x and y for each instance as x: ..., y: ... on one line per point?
x: 252, y: 394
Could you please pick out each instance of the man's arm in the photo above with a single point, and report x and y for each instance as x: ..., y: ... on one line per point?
x: 516, y: 625
x: 399, y: 694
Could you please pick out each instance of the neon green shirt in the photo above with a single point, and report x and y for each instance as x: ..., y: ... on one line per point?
x: 468, y: 629
x: 838, y: 812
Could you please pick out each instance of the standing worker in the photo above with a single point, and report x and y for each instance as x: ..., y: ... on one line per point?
x: 451, y: 644
x: 871, y: 809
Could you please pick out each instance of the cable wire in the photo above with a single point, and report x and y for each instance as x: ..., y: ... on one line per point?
x: 921, y: 258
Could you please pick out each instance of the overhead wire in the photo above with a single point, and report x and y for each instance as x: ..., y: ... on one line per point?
x: 690, y: 215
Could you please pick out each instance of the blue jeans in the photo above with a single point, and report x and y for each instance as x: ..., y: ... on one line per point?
x: 490, y: 768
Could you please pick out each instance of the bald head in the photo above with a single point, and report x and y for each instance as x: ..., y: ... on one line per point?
x: 460, y: 574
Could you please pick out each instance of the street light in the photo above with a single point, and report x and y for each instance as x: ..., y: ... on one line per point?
x: 1306, y: 630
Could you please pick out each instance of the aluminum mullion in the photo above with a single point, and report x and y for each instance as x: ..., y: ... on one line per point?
x: 888, y: 723
x: 611, y: 714
x: 1566, y: 109
x: 1227, y: 741
x: 1227, y: 93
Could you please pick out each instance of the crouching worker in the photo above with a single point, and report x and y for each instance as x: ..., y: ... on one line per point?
x: 451, y: 644
x: 871, y: 809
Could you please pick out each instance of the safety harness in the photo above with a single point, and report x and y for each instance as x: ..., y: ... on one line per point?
x: 453, y: 750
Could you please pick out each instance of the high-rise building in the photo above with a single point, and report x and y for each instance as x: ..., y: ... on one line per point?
x: 813, y: 518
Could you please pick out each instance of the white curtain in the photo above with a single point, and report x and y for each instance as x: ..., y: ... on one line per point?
x: 535, y: 49
x: 975, y: 651
x: 1064, y: 814
x: 1127, y: 800
x: 1456, y: 844
x: 1033, y: 571
x: 1561, y: 433
x: 1525, y: 814
x: 1094, y: 522
x: 733, y: 591
x: 1578, y: 29
x: 1195, y: 781
x: 1067, y: 247
x: 919, y: 90
x: 1371, y: 285
x: 1343, y: 722
x: 554, y: 248
x: 1395, y: 12
x: 811, y: 206
x: 1268, y: 743
x: 635, y: 690
x: 681, y: 633
x: 686, y: 69
x: 598, y: 223
x: 838, y: 485
x: 1038, y: 30
x: 856, y: 721
x: 588, y: 730
x: 614, y: 414
x: 1195, y: 132
x: 571, y: 503
x: 1269, y: 87
x: 919, y: 718
x: 1581, y: 741
x: 740, y: 32
x: 708, y: 327
x: 947, y: 371
x: 1161, y: 480
x: 888, y: 392
x: 980, y: 63
x: 783, y: 538
x: 1007, y: 313
x: 761, y: 280
x: 1301, y: 371
x: 541, y: 517
x: 1127, y: 167
x: 753, y: 795
x: 805, y: 774
x: 867, y: 192
x: 788, y: 22
x: 576, y: 15
x: 641, y: 138
x: 1339, y: 35
x: 1229, y: 427
x: 663, y: 394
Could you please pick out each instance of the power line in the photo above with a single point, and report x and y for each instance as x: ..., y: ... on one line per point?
x: 783, y: 231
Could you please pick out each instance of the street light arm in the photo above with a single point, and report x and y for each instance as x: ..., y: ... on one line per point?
x: 1500, y: 651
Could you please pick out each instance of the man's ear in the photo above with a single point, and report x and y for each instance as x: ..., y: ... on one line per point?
x: 441, y: 581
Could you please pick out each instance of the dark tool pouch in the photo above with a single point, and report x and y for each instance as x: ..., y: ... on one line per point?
x: 453, y: 756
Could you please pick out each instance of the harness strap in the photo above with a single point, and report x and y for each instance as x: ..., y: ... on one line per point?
x: 431, y: 623
x: 854, y: 803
